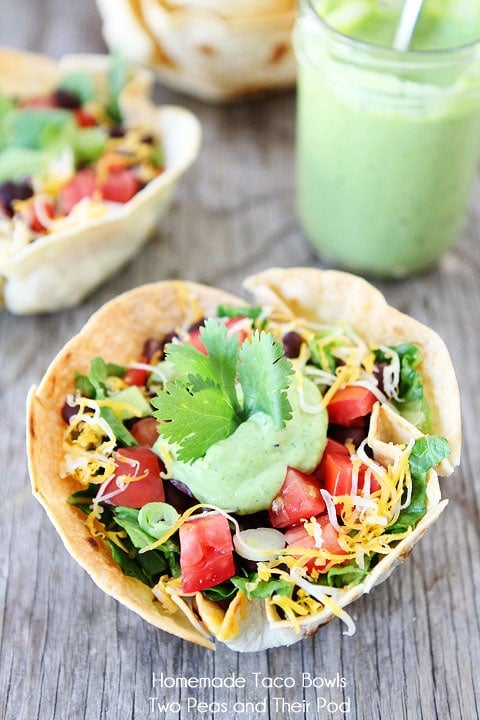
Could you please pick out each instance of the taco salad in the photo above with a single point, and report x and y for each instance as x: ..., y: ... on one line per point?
x: 244, y: 472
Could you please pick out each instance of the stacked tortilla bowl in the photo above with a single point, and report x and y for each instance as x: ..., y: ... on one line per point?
x: 213, y: 50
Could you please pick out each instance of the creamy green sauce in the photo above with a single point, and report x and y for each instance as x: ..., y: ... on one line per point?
x: 441, y: 24
x: 244, y: 472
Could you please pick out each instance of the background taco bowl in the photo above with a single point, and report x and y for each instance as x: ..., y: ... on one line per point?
x: 58, y: 270
x: 215, y: 51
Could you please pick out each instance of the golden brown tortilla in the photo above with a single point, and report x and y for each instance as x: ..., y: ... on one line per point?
x: 117, y: 333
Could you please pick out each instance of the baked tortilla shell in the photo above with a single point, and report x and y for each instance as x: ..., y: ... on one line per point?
x: 204, y: 49
x: 119, y: 329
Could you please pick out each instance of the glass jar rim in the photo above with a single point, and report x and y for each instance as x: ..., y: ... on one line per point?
x: 437, y: 57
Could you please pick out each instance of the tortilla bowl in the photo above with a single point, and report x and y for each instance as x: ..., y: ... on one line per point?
x: 204, y: 49
x: 59, y: 269
x: 119, y: 329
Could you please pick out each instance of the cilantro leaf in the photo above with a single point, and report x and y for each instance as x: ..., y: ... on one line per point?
x: 194, y: 420
x: 217, y: 368
x: 201, y: 406
x: 264, y: 374
x: 223, y: 357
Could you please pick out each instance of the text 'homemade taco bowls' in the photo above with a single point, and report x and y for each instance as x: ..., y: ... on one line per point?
x: 87, y: 169
x: 214, y: 50
x: 244, y: 472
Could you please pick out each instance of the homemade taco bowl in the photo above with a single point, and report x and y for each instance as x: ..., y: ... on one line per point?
x: 258, y: 595
x: 58, y: 265
x: 205, y: 49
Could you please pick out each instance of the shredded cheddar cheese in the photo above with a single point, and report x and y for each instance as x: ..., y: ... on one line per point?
x: 98, y: 529
x: 88, y: 444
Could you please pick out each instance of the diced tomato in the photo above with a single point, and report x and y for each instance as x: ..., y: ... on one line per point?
x: 297, y: 536
x: 349, y: 405
x: 330, y: 536
x: 142, y: 463
x: 299, y: 499
x: 41, y: 214
x: 145, y: 431
x: 240, y: 331
x: 136, y: 376
x: 37, y: 213
x: 206, y: 552
x: 40, y: 102
x: 121, y: 185
x: 84, y: 118
x: 338, y: 476
x: 195, y: 340
x: 331, y: 447
x: 82, y: 185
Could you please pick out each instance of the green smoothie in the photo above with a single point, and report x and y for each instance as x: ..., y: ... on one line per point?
x: 387, y: 142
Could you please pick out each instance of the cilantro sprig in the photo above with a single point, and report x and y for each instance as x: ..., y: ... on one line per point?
x: 202, y: 405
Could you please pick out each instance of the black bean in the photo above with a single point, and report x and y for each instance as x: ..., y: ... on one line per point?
x: 10, y: 191
x: 196, y: 325
x: 251, y: 522
x: 117, y: 131
x: 66, y: 99
x: 355, y: 434
x: 292, y: 342
x: 178, y: 495
x: 378, y: 374
x: 156, y: 346
x: 68, y: 411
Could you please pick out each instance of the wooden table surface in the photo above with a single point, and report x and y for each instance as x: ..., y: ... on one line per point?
x: 67, y: 650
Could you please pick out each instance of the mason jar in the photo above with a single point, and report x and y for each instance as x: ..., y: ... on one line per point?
x: 387, y: 147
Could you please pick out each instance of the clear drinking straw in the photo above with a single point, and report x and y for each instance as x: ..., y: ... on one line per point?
x: 406, y: 26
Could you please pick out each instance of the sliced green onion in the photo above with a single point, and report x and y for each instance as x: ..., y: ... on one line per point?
x: 156, y: 518
x: 259, y: 543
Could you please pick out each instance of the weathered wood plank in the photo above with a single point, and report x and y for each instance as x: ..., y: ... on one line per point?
x: 67, y: 650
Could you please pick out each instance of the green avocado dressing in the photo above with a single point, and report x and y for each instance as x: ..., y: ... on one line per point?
x: 244, y: 472
x: 441, y: 24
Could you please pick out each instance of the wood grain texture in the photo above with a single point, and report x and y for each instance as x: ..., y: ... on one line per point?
x: 68, y: 651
